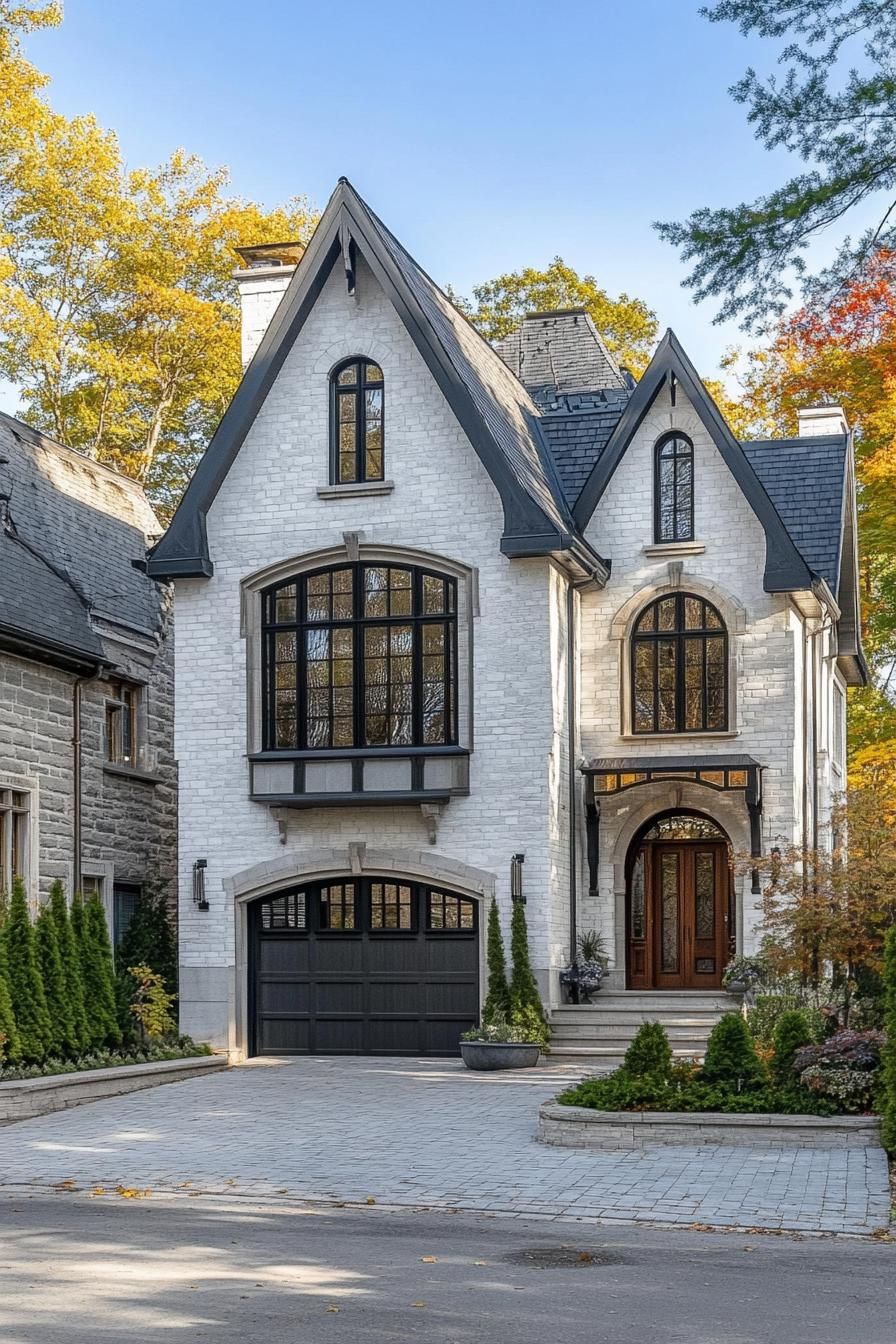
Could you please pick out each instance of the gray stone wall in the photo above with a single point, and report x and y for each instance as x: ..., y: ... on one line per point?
x: 129, y: 820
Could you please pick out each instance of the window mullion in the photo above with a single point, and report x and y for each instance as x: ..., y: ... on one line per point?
x: 680, y: 719
x: 302, y: 664
x: 417, y: 627
x: 360, y: 425
x: 359, y: 685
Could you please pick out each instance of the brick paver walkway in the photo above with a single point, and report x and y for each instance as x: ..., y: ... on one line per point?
x: 430, y: 1133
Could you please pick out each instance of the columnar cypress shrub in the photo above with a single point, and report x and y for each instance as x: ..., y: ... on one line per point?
x: 650, y: 1054
x: 149, y: 940
x: 888, y: 1054
x: 497, y: 1001
x: 10, y: 1050
x: 791, y: 1034
x: 731, y: 1058
x: 62, y: 1043
x: 26, y: 988
x: 70, y: 957
x: 97, y: 974
x: 526, y: 1011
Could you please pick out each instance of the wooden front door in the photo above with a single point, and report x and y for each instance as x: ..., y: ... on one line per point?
x: 678, y: 933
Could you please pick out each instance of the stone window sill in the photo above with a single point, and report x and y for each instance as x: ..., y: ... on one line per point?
x: 355, y: 489
x: 669, y: 549
x: 129, y: 772
x: 678, y: 737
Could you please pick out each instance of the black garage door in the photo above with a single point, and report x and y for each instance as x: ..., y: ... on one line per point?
x: 363, y: 966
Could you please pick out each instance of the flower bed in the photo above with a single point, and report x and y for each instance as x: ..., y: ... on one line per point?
x: 184, y: 1048
x: 24, y: 1098
x: 808, y: 1093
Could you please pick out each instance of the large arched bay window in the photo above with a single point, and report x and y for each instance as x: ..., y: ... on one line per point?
x: 360, y: 655
x: 356, y: 410
x: 679, y: 667
x: 674, y: 489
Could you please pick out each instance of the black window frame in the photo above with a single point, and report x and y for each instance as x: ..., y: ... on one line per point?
x: 358, y: 389
x: 306, y: 911
x: 659, y: 537
x: 418, y: 620
x: 122, y: 729
x: 682, y: 636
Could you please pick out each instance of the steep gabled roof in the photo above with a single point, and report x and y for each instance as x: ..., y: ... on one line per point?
x: 805, y: 480
x: 494, y: 409
x: 785, y: 568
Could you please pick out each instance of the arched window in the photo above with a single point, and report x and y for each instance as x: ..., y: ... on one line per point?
x: 674, y: 489
x: 356, y: 421
x: 679, y: 667
x: 360, y: 655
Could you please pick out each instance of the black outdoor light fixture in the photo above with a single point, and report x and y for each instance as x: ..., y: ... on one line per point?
x: 516, y: 878
x: 199, y: 897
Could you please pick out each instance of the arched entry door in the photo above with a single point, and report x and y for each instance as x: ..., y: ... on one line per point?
x: 363, y: 966
x: 678, y: 906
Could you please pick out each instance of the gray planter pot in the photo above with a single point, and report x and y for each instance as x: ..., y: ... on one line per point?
x: 736, y: 987
x: 499, y: 1054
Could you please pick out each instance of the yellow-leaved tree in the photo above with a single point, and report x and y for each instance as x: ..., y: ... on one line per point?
x: 118, y: 320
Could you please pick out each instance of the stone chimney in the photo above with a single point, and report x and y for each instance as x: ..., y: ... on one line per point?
x: 817, y: 420
x: 263, y: 279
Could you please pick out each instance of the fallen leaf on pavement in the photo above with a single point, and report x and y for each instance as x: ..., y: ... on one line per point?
x: 370, y: 1199
x: 428, y: 1259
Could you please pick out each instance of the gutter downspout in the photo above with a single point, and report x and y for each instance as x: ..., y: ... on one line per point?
x: 571, y: 708
x: 76, y: 775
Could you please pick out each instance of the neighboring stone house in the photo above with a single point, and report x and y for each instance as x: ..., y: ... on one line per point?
x: 454, y: 621
x: 88, y: 782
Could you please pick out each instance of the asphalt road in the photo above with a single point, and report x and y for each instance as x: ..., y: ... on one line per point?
x: 109, y: 1268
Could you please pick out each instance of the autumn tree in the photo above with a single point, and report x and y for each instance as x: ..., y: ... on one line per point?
x: 831, y: 910
x: 118, y: 320
x: 848, y: 354
x: 498, y: 307
x: 833, y: 108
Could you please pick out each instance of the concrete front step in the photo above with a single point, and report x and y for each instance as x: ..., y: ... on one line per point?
x: 604, y: 1029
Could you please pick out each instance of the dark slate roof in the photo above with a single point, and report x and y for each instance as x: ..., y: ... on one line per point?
x: 37, y: 604
x: 805, y: 479
x: 75, y: 527
x: 559, y: 352
x: 578, y: 430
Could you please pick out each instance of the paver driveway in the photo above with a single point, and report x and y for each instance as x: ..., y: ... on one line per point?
x: 427, y: 1133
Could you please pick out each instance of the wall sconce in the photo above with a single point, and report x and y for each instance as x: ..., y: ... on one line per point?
x: 199, y: 897
x: 516, y: 878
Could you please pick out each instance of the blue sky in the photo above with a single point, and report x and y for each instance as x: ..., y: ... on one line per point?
x: 488, y: 135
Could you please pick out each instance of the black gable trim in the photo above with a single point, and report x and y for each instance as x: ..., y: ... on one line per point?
x: 347, y: 223
x: 785, y: 568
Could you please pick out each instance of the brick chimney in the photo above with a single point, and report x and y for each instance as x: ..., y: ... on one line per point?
x: 817, y: 420
x: 263, y: 279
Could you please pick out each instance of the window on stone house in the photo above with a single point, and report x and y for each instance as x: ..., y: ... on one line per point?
x: 674, y: 489
x: 679, y: 667
x: 122, y: 724
x: 356, y: 422
x: 15, y: 821
x: 360, y: 655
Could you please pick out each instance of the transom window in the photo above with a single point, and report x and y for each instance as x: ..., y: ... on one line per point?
x: 356, y: 409
x: 368, y: 905
x: 14, y: 822
x: 674, y: 489
x: 361, y: 655
x: 679, y: 667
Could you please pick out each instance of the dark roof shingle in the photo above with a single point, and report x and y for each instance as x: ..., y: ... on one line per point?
x: 805, y: 480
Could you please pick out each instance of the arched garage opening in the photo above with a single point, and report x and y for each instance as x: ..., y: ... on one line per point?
x: 362, y: 965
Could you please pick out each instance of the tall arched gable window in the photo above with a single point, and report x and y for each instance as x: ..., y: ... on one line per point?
x: 356, y: 421
x: 360, y: 655
x: 679, y: 667
x: 673, y: 489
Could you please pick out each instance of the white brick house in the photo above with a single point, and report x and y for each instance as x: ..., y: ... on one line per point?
x: 415, y: 579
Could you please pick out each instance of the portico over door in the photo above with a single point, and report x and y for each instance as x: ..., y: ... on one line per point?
x: 678, y: 906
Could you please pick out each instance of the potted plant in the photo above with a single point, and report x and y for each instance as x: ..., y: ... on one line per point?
x: 498, y: 1044
x: 584, y: 976
x: 743, y: 974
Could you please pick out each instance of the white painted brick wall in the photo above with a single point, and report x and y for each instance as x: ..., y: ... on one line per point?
x: 443, y: 502
x: 767, y: 654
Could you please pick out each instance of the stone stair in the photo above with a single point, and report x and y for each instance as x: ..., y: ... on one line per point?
x: 602, y: 1031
